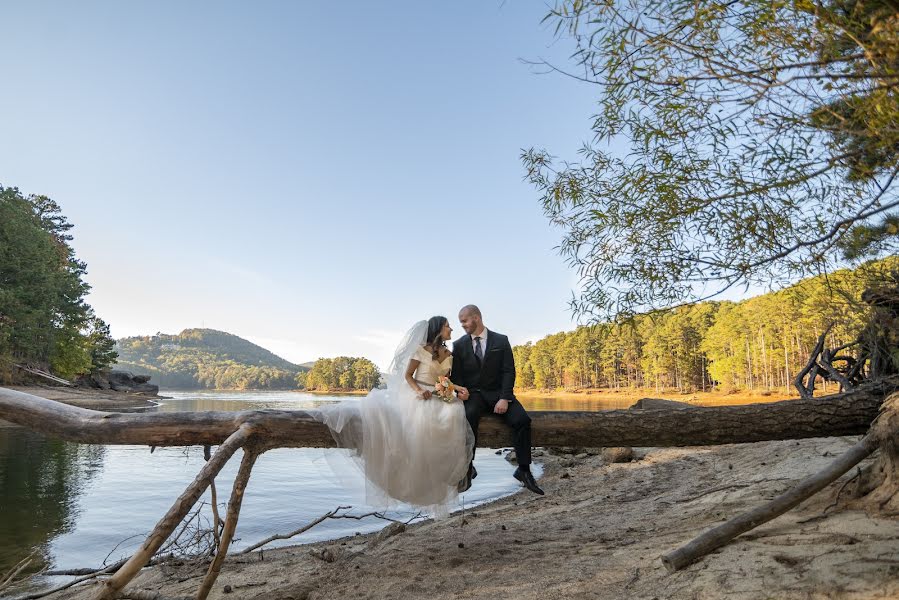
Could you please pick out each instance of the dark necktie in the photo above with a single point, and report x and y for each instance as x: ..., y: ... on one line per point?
x: 477, y: 349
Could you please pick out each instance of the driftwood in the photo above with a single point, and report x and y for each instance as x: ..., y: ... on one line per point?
x: 9, y: 578
x: 849, y: 413
x: 44, y: 374
x: 881, y: 435
x: 721, y: 535
x: 257, y: 431
x: 250, y: 454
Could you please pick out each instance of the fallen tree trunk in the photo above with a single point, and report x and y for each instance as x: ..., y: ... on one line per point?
x: 848, y: 413
x: 259, y: 430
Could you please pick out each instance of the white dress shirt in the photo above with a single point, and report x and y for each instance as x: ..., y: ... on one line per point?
x: 474, y: 343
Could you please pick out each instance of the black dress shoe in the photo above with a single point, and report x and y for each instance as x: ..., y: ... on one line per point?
x: 527, y: 479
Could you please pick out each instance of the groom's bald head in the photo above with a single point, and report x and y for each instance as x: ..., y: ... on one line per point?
x: 470, y: 308
x: 470, y: 317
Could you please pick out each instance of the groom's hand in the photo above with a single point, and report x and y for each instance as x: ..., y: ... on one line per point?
x: 501, y: 406
x: 462, y: 393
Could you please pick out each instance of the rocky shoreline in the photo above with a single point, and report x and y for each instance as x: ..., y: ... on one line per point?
x: 119, y: 381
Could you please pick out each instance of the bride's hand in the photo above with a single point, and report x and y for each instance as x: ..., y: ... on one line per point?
x: 462, y: 393
x: 425, y: 394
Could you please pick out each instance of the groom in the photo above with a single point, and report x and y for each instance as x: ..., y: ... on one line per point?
x: 483, y: 363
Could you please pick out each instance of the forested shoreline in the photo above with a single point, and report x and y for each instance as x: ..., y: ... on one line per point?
x: 341, y: 374
x: 44, y: 319
x: 211, y: 359
x: 756, y: 344
x: 206, y: 359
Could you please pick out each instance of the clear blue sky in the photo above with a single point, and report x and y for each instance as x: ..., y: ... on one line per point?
x: 314, y: 177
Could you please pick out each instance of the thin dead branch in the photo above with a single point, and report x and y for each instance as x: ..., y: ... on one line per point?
x: 332, y: 514
x: 8, y: 579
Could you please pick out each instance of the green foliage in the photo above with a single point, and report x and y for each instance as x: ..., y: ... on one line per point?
x: 101, y: 344
x: 43, y: 317
x: 760, y: 136
x: 342, y: 374
x: 206, y: 359
x: 759, y: 343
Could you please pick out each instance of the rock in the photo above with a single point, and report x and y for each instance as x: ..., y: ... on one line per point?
x: 648, y: 403
x: 124, y: 381
x: 120, y: 381
x: 511, y: 457
x: 96, y: 380
x: 564, y: 450
x: 388, y: 532
x: 328, y: 555
x: 620, y: 454
x: 226, y: 589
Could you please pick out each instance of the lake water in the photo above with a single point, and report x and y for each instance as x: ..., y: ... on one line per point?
x: 80, y: 505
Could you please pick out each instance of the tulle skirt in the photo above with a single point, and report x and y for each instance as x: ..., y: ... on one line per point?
x: 411, y: 451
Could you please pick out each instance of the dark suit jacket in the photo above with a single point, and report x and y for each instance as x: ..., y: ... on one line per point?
x: 495, y: 376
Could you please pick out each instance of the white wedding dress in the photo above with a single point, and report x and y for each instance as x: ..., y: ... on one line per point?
x: 411, y: 450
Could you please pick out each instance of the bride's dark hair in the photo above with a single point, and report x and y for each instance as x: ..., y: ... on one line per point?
x: 435, y: 326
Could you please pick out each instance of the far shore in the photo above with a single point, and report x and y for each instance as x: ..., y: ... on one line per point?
x: 534, y: 398
x: 334, y: 393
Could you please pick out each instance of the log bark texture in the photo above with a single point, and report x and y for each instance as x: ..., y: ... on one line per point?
x: 849, y: 413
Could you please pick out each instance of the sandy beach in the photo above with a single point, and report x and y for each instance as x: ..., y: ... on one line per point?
x: 597, y: 534
x: 108, y: 400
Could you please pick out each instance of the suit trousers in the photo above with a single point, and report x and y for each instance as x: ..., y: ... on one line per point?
x: 516, y: 417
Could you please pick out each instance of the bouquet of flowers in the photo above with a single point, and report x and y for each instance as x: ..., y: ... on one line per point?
x: 444, y: 388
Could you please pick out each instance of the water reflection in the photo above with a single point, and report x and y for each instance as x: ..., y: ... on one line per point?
x: 77, y: 502
x: 40, y: 481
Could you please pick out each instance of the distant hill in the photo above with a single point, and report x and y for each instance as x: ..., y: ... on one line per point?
x: 206, y: 359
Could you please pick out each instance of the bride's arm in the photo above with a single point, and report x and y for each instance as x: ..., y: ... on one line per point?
x: 410, y: 372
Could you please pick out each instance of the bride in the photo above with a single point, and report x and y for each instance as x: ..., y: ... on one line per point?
x: 412, y: 444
